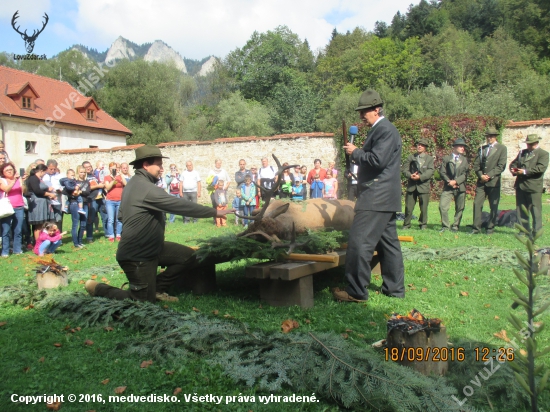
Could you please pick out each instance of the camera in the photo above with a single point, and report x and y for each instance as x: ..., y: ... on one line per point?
x: 113, y: 172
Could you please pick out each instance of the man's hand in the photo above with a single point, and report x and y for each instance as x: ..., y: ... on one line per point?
x: 520, y: 172
x: 485, y: 178
x: 222, y: 212
x: 452, y: 183
x: 349, y: 148
x: 415, y: 176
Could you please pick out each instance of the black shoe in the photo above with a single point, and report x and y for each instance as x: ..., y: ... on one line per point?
x: 444, y: 229
x: 489, y: 231
x: 474, y: 232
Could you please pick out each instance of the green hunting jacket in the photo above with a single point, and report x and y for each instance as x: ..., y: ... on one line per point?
x: 492, y: 165
x: 458, y: 171
x: 424, y: 164
x: 535, y: 164
x: 141, y: 212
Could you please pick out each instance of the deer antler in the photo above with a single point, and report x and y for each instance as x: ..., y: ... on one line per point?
x: 25, y: 36
x: 13, y: 19
x: 269, y: 192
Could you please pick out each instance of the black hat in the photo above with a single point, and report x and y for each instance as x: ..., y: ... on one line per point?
x: 146, y: 152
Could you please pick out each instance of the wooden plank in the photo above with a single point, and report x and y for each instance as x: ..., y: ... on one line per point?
x: 405, y: 238
x: 259, y: 270
x: 314, y: 258
x: 282, y: 293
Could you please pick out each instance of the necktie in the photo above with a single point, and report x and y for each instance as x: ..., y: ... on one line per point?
x: 488, y: 150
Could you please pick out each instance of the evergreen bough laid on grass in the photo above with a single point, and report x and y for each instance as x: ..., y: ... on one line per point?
x: 324, y: 363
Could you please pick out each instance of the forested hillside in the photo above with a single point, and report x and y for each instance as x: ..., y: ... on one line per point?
x: 480, y: 57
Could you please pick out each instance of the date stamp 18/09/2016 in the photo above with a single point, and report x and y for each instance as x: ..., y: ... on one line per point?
x: 435, y: 354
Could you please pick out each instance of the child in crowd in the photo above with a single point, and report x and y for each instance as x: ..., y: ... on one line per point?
x: 48, y: 240
x: 298, y: 191
x: 330, y: 186
x: 316, y: 188
x: 69, y: 183
x: 249, y: 198
x: 237, y: 200
x: 220, y: 196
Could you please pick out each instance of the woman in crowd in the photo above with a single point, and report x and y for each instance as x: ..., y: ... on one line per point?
x: 330, y: 188
x: 79, y: 220
x: 317, y: 170
x: 114, y: 184
x: 39, y: 193
x: 287, y: 180
x: 12, y: 187
x: 173, y: 182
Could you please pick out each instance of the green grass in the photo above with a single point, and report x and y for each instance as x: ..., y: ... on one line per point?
x: 434, y: 288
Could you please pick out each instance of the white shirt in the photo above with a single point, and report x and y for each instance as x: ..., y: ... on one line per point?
x: 380, y: 118
x: 266, y: 173
x: 189, y: 179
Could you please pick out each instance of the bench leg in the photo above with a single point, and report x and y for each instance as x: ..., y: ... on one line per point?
x: 199, y: 280
x: 288, y: 293
x: 375, y: 265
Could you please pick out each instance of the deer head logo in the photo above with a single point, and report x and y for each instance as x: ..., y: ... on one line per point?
x: 29, y: 40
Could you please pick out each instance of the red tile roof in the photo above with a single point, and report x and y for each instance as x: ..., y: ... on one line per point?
x: 53, y: 96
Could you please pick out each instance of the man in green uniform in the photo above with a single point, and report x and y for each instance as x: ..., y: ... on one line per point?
x: 529, y: 167
x: 453, y: 171
x: 142, y: 248
x: 418, y: 169
x: 489, y: 163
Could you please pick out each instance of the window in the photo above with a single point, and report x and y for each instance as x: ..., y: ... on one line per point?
x: 30, y: 147
x: 90, y: 114
x: 26, y: 102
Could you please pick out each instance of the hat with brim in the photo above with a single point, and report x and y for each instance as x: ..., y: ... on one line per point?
x: 532, y: 138
x: 459, y: 142
x: 146, y: 152
x: 491, y: 131
x: 369, y: 98
x: 423, y: 142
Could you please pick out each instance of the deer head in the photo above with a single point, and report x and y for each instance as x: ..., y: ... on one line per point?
x: 29, y: 40
x: 264, y: 223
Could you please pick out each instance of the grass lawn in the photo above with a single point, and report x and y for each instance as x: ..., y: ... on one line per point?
x: 473, y: 301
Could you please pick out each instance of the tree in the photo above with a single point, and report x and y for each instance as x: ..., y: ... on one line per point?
x: 241, y: 117
x: 142, y: 93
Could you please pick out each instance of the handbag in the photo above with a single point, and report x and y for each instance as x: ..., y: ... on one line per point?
x: 6, y: 209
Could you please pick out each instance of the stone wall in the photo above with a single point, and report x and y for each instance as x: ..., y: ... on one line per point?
x: 513, y: 136
x: 299, y: 148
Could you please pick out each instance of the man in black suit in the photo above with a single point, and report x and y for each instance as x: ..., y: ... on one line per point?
x: 379, y: 198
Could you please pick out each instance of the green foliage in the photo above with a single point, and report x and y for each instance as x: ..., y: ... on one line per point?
x: 531, y: 375
x: 241, y: 117
x: 328, y: 365
x: 23, y: 294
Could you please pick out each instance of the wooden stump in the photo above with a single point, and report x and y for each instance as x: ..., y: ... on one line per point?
x: 434, y: 360
x: 50, y: 280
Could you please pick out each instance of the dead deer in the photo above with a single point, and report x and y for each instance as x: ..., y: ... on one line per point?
x: 29, y: 40
x: 278, y: 219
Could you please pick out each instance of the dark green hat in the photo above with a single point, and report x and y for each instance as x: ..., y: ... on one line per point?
x: 532, y: 138
x: 368, y: 99
x: 491, y: 131
x: 424, y: 142
x: 146, y: 152
x: 459, y: 142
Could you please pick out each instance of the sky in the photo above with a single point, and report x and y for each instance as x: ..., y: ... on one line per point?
x: 195, y: 29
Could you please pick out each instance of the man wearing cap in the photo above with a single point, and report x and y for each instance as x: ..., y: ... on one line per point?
x: 142, y: 247
x: 489, y: 163
x: 378, y: 200
x: 418, y: 169
x: 529, y: 167
x: 453, y: 172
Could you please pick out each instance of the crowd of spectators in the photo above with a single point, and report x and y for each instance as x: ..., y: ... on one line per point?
x: 40, y: 195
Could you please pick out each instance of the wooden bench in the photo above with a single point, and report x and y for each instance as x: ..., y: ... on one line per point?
x: 291, y: 282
